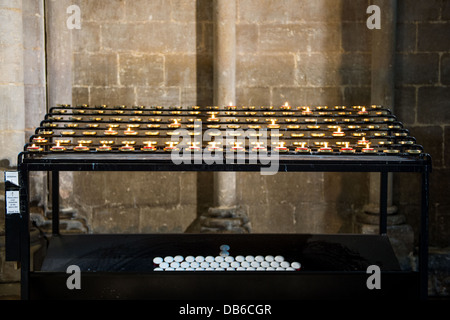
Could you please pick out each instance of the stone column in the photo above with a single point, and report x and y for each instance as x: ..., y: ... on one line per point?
x: 226, y: 216
x: 382, y: 93
x: 224, y: 16
x: 12, y: 92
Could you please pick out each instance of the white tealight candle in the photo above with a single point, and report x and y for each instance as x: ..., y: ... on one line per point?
x: 164, y: 265
x: 259, y: 258
x: 280, y: 269
x: 285, y: 264
x: 224, y: 264
x: 194, y: 264
x: 254, y: 264
x: 249, y: 258
x: 158, y: 269
x: 269, y: 258
x: 178, y: 258
x: 157, y: 260
x: 219, y: 259
x: 190, y: 259
x: 240, y: 258
x: 265, y: 264
x: 240, y: 269
x: 250, y: 269
x: 235, y: 264
x: 199, y: 258
x: 274, y: 264
x: 168, y: 259
x: 231, y: 269
x: 174, y: 264
x: 270, y: 269
x: 245, y: 264
x: 214, y: 265
x: 260, y: 269
x: 185, y: 264
x: 204, y: 264
x: 229, y: 258
x: 209, y: 258
x: 279, y: 258
x: 296, y: 265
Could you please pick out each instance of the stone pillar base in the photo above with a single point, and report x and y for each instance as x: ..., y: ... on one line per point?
x: 221, y: 220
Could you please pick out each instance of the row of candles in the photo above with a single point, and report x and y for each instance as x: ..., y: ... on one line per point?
x: 363, y: 146
x: 225, y: 263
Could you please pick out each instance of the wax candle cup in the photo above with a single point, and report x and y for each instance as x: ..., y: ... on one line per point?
x: 273, y: 125
x: 338, y: 133
x: 130, y: 132
x: 363, y: 111
x: 302, y: 148
x: 347, y: 149
x: 149, y: 146
x: 39, y: 140
x: 126, y: 147
x: 368, y: 149
x: 280, y: 147
x: 104, y: 147
x: 110, y: 132
x: 325, y: 148
x: 34, y: 148
x: 259, y: 146
x: 171, y: 146
x: 237, y: 147
x: 175, y: 124
x: 57, y: 147
x: 213, y: 146
x: 80, y: 147
x: 307, y: 111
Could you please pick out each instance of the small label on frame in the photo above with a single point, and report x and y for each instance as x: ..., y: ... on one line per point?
x: 12, y: 202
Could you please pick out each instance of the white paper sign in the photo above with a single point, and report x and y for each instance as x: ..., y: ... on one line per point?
x: 12, y: 202
x: 12, y: 176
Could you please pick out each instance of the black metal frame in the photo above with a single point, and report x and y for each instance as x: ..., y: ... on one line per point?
x: 161, y: 162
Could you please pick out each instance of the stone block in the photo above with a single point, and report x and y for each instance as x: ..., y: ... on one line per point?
x: 254, y: 96
x: 405, y: 105
x: 112, y: 96
x: 355, y: 37
x: 150, y: 37
x: 12, y: 26
x: 277, y: 70
x: 33, y: 28
x: 80, y: 95
x: 12, y: 109
x: 191, y: 10
x: 445, y: 69
x: 357, y: 96
x: 431, y: 138
x: 273, y: 11
x: 87, y: 39
x: 352, y: 10
x: 143, y: 10
x: 90, y: 188
x: 11, y: 66
x: 411, y: 10
x: 441, y: 233
x: 152, y: 96
x: 406, y: 37
x: 141, y: 70
x: 188, y: 70
x: 417, y: 68
x: 102, y: 10
x: 433, y: 37
x: 120, y: 219
x: 439, y: 186
x: 318, y: 69
x: 432, y: 105
x: 167, y: 219
x: 34, y: 67
x: 308, y: 95
x: 247, y: 38
x: 316, y: 37
x: 445, y: 13
x: 196, y: 96
x: 35, y: 104
x: 446, y: 146
x: 95, y: 69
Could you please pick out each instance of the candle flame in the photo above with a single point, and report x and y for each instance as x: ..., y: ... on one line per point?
x: 286, y: 104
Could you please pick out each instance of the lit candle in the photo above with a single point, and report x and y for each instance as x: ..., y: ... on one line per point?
x: 104, y: 147
x: 39, y: 140
x: 34, y: 148
x: 149, y: 146
x: 347, y: 149
x: 130, y: 132
x: 127, y: 146
x: 213, y: 118
x: 194, y: 146
x: 80, y: 147
x: 302, y: 148
x: 363, y: 141
x: 272, y: 124
x: 212, y: 146
x: 110, y: 132
x: 171, y: 145
x: 368, y: 149
x: 237, y: 146
x: 325, y: 148
x: 307, y: 111
x: 363, y: 111
x: 338, y: 133
x: 286, y: 106
x: 175, y: 124
x: 281, y: 147
x: 58, y: 147
x: 259, y: 146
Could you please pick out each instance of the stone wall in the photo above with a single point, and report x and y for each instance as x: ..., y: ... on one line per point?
x: 422, y: 104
